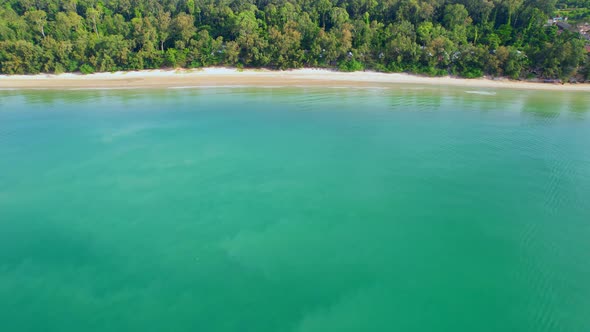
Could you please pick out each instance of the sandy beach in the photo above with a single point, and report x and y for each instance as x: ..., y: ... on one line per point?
x: 208, y: 77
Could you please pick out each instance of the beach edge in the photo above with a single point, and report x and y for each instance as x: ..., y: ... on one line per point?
x: 227, y: 77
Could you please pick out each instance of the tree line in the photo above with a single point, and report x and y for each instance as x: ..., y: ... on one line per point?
x: 467, y: 38
x: 575, y: 10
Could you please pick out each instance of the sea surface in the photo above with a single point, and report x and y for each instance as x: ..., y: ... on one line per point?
x: 414, y: 209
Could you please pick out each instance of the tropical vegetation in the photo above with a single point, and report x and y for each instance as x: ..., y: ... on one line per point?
x: 468, y: 38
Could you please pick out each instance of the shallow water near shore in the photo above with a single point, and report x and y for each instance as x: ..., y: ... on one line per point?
x: 295, y: 209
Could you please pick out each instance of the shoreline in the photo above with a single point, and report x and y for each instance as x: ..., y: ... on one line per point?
x: 230, y: 77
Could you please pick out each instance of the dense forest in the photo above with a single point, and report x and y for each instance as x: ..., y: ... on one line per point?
x: 468, y: 38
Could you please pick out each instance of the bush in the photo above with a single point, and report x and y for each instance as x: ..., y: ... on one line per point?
x: 195, y: 64
x: 430, y: 71
x: 395, y: 67
x: 59, y: 68
x: 86, y: 69
x: 351, y: 65
x: 170, y: 57
x: 472, y: 73
x: 72, y: 65
x: 381, y: 68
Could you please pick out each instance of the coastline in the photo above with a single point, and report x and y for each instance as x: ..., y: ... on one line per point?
x: 219, y: 76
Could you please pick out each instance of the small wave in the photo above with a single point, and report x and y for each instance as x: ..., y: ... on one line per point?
x: 185, y: 87
x: 23, y: 89
x: 483, y: 93
x: 346, y: 87
x: 104, y: 88
x: 408, y: 88
x: 235, y: 86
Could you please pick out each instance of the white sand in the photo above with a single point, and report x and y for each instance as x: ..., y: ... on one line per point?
x: 216, y: 76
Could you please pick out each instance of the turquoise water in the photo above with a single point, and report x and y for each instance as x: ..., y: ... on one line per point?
x: 299, y: 210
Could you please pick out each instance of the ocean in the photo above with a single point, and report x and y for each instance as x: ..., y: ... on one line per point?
x: 404, y: 208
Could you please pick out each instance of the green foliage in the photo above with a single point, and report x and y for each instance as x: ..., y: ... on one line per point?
x: 20, y: 57
x: 351, y: 65
x: 431, y: 37
x: 575, y: 10
x: 585, y: 71
x: 429, y: 71
x: 86, y: 69
x: 472, y: 73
